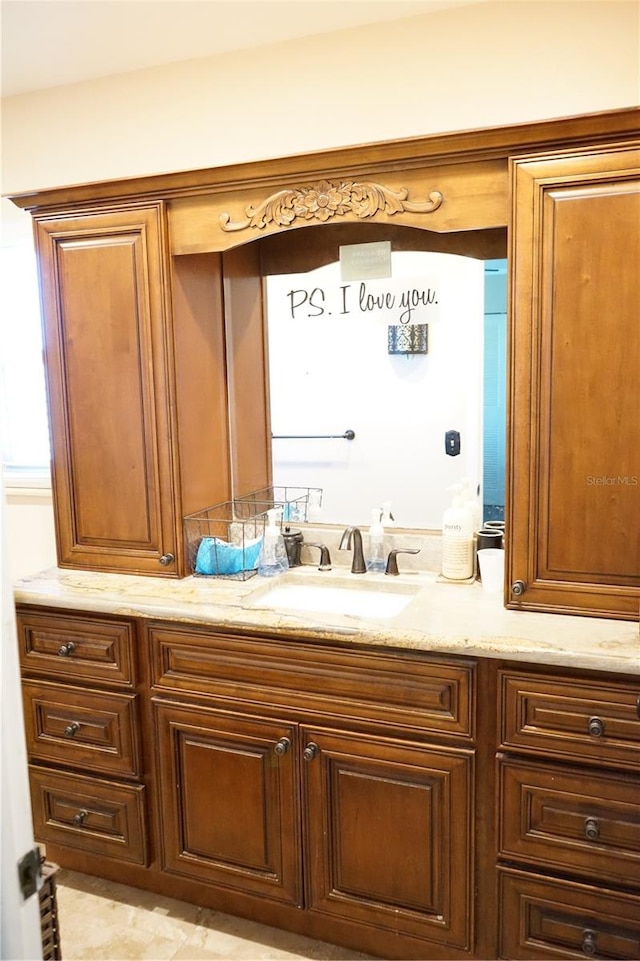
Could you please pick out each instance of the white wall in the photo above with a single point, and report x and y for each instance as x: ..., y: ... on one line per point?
x: 468, y: 67
x: 472, y: 66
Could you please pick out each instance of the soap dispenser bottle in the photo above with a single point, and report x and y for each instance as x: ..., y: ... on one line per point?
x: 376, y: 561
x: 273, y: 556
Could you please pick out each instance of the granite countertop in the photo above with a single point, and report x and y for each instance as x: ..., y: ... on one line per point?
x: 440, y: 617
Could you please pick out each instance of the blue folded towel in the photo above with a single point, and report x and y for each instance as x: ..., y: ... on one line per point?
x: 219, y: 557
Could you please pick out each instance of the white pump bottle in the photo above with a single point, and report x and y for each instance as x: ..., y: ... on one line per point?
x: 457, y: 541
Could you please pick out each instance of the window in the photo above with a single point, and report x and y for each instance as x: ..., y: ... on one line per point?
x: 23, y: 407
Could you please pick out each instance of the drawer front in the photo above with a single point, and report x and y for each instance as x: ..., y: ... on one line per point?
x: 584, y: 822
x: 589, y: 721
x: 95, y: 816
x: 91, y: 730
x: 76, y: 648
x: 540, y: 918
x: 407, y: 691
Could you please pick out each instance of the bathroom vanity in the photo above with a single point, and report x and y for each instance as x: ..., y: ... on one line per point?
x: 458, y: 780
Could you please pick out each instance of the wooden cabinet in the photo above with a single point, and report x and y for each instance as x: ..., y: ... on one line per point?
x: 389, y: 832
x: 569, y: 817
x: 310, y: 797
x: 119, y: 381
x: 82, y: 724
x: 150, y: 411
x: 229, y: 794
x: 574, y: 430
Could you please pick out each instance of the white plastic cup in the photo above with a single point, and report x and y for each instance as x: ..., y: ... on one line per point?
x: 491, y: 561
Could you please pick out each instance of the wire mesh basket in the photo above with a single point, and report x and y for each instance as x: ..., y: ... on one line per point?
x: 294, y: 502
x: 225, y: 540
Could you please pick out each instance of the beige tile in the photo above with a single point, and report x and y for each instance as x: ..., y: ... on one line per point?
x: 104, y: 921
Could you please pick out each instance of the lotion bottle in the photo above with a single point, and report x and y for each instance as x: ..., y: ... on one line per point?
x: 376, y: 560
x: 273, y: 556
x: 457, y: 541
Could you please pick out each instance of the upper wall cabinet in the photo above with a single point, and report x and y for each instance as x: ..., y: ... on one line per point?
x: 574, y: 492
x: 126, y: 464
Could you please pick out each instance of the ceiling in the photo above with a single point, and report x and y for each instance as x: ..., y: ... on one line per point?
x: 48, y: 43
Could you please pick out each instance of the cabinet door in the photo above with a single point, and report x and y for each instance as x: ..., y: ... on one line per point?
x: 574, y: 458
x: 103, y: 280
x: 389, y: 833
x: 229, y: 800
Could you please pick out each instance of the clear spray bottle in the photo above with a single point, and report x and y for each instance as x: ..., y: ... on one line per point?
x: 376, y: 560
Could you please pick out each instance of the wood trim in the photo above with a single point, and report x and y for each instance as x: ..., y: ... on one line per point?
x: 460, y: 146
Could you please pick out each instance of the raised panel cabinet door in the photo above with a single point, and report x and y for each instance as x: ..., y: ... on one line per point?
x: 390, y: 837
x: 229, y: 804
x: 107, y: 336
x: 574, y: 453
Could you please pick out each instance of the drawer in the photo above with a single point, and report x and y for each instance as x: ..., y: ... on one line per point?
x: 75, y: 648
x: 89, y: 814
x: 591, y: 721
x: 540, y: 918
x: 567, y: 820
x: 403, y: 690
x: 92, y: 730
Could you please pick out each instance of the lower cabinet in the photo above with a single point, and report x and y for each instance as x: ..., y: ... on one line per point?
x: 400, y: 803
x: 229, y: 796
x: 569, y: 817
x: 388, y: 834
x: 381, y: 829
x: 82, y: 727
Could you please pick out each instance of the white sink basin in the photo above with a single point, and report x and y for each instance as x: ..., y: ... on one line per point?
x: 329, y: 595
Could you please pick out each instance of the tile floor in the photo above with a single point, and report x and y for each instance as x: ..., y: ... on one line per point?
x: 103, y: 920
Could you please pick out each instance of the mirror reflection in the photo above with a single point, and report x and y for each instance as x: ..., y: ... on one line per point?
x: 422, y: 421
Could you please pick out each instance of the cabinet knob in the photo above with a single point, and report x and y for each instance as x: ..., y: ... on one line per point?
x: 66, y: 649
x: 592, y: 829
x: 167, y: 559
x: 310, y: 751
x: 71, y: 729
x: 282, y: 746
x: 596, y: 727
x: 518, y: 588
x: 589, y: 942
x: 79, y: 817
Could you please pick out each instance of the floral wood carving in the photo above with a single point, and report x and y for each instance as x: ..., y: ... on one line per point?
x: 325, y: 200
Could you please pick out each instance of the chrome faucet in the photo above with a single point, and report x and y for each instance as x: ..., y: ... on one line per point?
x: 352, y: 536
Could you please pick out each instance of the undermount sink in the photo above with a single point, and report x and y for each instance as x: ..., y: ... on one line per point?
x: 327, y: 594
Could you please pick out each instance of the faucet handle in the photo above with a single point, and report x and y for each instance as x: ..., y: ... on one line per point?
x: 325, y: 557
x: 392, y: 563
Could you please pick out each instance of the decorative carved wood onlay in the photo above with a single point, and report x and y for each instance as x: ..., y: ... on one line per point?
x: 324, y: 200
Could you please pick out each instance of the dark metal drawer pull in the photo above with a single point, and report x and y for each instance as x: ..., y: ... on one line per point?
x: 66, y: 649
x: 596, y: 727
x: 310, y: 751
x: 282, y: 746
x: 589, y: 942
x: 71, y: 729
x: 592, y: 829
x: 79, y: 817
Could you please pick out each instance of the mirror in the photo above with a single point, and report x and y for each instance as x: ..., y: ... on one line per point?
x: 331, y: 372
